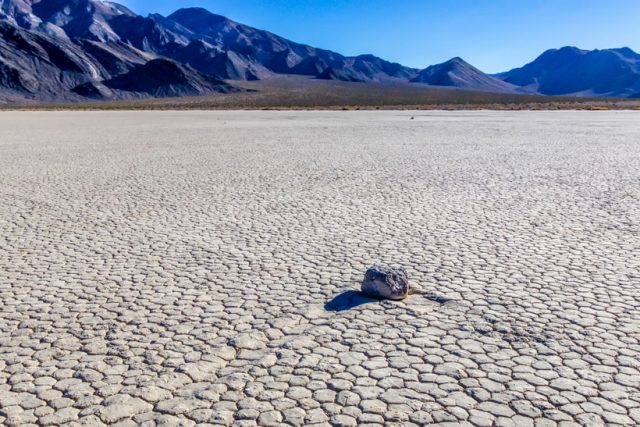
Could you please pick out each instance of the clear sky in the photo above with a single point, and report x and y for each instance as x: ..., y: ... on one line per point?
x: 493, y: 35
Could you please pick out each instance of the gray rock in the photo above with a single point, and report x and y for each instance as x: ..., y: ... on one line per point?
x: 386, y: 282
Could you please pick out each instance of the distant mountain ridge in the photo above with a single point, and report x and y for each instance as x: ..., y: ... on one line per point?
x: 89, y: 49
x: 458, y: 73
x: 573, y: 71
x: 242, y: 52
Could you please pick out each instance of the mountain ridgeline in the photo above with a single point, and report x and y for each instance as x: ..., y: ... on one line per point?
x: 607, y: 72
x: 458, y: 73
x: 75, y: 50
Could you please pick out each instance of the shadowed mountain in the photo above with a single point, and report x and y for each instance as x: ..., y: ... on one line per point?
x: 213, y: 60
x: 166, y: 78
x: 340, y: 74
x: 70, y: 49
x: 75, y: 49
x: 19, y: 12
x: 87, y: 19
x: 366, y: 68
x: 111, y: 40
x: 460, y: 74
x: 252, y: 53
x: 573, y: 71
x: 39, y: 66
x: 154, y: 33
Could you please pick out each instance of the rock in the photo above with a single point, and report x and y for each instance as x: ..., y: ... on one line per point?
x: 386, y: 282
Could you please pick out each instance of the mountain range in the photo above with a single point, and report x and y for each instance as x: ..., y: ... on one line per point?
x: 573, y: 71
x: 75, y: 50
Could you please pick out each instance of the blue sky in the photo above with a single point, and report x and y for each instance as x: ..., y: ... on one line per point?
x: 493, y: 35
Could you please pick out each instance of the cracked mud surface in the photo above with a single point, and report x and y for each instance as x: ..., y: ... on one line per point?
x: 183, y: 268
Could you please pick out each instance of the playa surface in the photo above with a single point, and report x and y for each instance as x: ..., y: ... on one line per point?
x: 181, y: 268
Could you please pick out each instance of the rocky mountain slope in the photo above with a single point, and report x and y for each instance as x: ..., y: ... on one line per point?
x: 248, y: 53
x: 52, y: 50
x: 79, y: 49
x: 460, y: 74
x: 573, y: 71
x: 106, y: 40
x: 157, y: 78
x: 41, y: 66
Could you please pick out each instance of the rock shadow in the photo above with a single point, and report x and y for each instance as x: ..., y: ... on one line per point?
x: 348, y: 300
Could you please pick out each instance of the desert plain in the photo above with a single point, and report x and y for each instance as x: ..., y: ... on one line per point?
x: 201, y: 268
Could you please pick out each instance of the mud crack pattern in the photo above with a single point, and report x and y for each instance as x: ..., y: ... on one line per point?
x: 173, y: 268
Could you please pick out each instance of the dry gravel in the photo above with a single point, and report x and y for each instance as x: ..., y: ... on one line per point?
x: 174, y: 268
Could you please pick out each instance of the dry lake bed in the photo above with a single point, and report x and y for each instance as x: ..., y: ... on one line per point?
x: 183, y: 268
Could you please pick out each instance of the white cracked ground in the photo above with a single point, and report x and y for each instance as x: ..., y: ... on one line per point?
x: 174, y: 268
